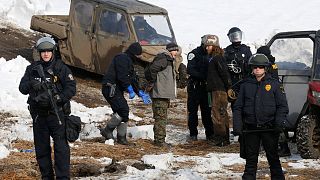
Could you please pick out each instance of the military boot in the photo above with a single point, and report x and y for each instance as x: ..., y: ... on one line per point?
x: 284, y: 149
x: 111, y: 125
x: 122, y: 133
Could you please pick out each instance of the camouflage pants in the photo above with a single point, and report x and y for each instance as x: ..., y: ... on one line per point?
x: 219, y: 113
x: 160, y: 115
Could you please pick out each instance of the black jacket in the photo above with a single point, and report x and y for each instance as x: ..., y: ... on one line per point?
x: 197, y: 66
x: 238, y: 56
x: 218, y: 76
x: 121, y: 72
x: 65, y: 83
x: 259, y: 103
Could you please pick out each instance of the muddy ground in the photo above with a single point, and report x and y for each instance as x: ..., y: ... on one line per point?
x: 22, y: 165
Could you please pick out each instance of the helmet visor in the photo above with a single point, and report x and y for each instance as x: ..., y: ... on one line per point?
x: 235, y: 36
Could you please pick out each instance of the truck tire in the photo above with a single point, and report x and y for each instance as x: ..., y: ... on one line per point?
x: 308, y: 138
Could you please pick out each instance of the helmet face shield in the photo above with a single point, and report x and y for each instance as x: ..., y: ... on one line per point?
x: 235, y: 36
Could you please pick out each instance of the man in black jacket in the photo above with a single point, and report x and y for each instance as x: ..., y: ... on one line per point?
x: 259, y: 114
x: 218, y: 83
x: 121, y: 77
x: 50, y: 85
x: 197, y: 68
x: 273, y: 70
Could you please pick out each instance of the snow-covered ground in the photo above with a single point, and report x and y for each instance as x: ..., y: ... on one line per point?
x: 259, y: 19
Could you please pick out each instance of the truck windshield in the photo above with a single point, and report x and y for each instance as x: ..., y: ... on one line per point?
x: 152, y: 29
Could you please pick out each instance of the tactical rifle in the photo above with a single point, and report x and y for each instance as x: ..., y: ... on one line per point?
x: 49, y: 88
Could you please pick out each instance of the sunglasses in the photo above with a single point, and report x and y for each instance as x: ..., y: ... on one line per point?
x: 260, y: 67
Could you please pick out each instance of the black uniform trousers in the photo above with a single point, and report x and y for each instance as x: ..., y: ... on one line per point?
x: 198, y: 96
x: 118, y: 103
x: 45, y: 126
x: 270, y: 144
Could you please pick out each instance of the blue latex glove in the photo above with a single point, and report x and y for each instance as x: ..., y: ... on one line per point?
x: 145, y: 97
x: 132, y: 94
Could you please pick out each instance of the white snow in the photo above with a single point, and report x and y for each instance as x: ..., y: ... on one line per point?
x: 259, y: 20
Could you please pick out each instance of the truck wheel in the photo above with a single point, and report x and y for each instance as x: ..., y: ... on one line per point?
x: 308, y: 137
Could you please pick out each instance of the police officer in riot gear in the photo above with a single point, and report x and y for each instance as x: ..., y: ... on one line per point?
x: 259, y: 114
x: 197, y: 68
x: 50, y: 86
x: 237, y: 56
x: 121, y: 77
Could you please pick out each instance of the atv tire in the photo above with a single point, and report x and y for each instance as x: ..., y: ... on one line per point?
x: 308, y: 137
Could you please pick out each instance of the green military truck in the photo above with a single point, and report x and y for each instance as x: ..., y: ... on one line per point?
x: 96, y: 30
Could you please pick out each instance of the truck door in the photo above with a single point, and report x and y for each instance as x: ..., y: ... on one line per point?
x: 81, y: 18
x: 294, y: 57
x: 112, y: 33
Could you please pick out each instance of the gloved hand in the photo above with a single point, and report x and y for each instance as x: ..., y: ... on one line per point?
x: 145, y: 97
x: 279, y: 128
x: 43, y: 100
x: 57, y: 99
x: 237, y: 133
x: 36, y: 85
x: 132, y: 94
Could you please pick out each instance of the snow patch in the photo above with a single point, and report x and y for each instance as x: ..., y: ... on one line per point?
x: 162, y: 161
x: 141, y: 132
x: 4, y: 151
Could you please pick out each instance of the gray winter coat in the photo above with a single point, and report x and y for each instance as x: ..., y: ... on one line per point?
x: 161, y: 73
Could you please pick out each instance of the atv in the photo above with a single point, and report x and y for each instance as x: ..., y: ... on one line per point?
x: 298, y: 59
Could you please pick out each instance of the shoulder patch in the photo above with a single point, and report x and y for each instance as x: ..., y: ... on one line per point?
x: 70, y: 77
x: 190, y: 56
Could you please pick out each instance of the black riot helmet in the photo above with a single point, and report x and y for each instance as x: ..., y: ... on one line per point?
x: 259, y: 60
x: 45, y: 44
x: 235, y: 35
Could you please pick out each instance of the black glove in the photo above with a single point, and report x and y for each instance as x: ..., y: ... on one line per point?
x: 36, y: 85
x: 43, y: 100
x: 279, y: 128
x: 236, y: 133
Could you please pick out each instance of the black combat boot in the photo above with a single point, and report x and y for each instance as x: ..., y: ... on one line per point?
x: 122, y: 133
x: 284, y: 149
x: 111, y: 125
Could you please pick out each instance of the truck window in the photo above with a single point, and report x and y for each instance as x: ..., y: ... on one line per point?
x: 293, y: 54
x: 113, y: 23
x: 83, y: 12
x: 152, y: 29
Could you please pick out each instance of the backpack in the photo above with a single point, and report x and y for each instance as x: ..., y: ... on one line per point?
x: 73, y: 127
